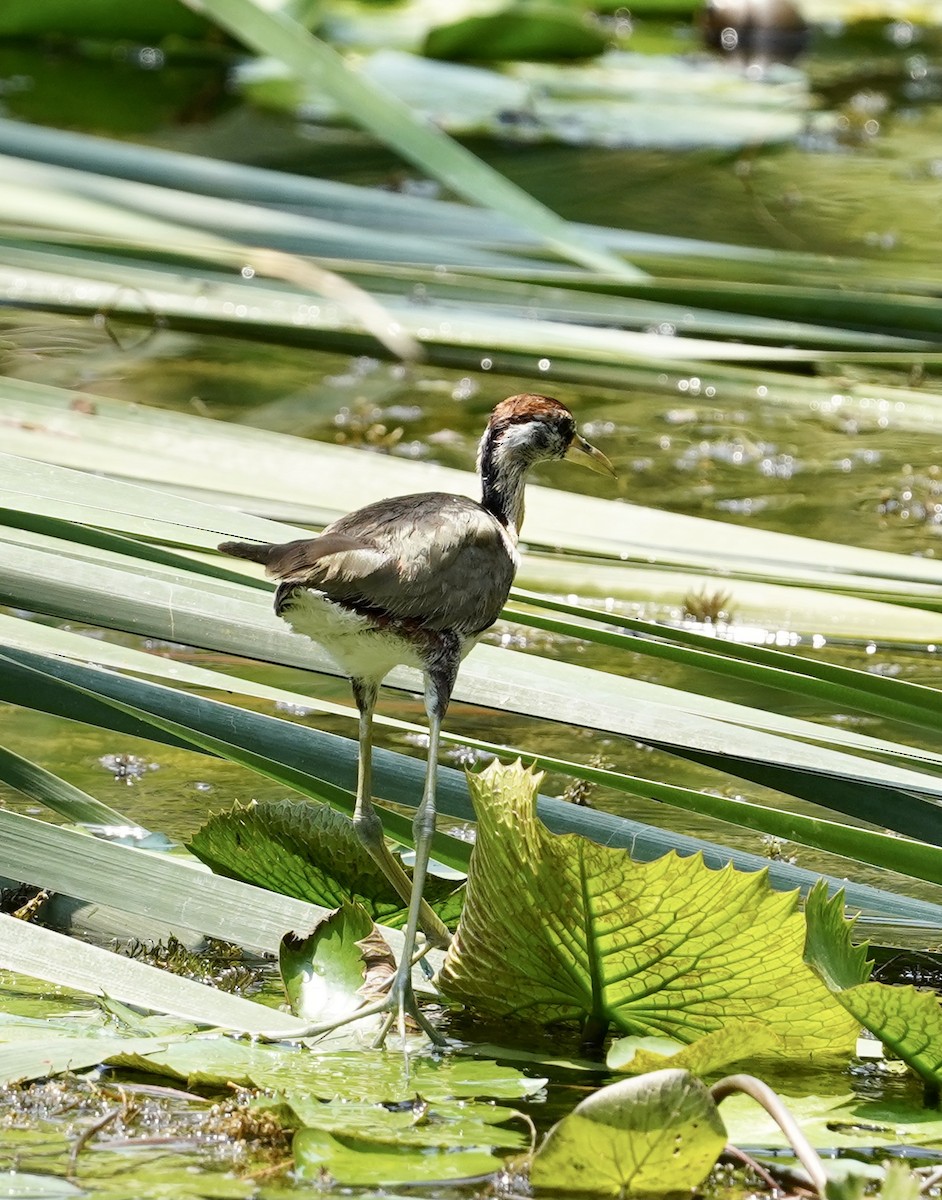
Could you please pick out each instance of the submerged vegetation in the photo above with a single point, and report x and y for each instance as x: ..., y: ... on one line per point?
x: 693, y: 950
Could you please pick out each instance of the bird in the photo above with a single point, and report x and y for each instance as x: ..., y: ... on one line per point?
x: 416, y: 580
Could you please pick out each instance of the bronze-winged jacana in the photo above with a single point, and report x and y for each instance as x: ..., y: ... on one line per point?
x: 416, y: 580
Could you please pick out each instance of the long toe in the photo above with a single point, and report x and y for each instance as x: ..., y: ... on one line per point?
x: 400, y: 1008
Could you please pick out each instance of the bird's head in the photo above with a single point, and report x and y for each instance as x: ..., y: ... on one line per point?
x: 526, y: 429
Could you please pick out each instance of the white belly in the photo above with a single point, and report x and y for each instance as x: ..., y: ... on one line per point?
x: 349, y: 638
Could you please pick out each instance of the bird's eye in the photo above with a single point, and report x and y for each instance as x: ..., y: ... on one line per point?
x: 565, y: 433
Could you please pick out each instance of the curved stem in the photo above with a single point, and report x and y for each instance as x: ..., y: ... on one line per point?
x: 748, y: 1161
x: 773, y: 1105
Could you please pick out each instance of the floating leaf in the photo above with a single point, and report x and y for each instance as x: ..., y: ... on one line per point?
x: 414, y: 1122
x: 386, y: 117
x: 50, y: 1055
x: 843, y: 1121
x: 557, y: 928
x: 524, y: 31
x: 363, y: 1161
x: 731, y: 1044
x: 359, y: 1075
x: 656, y: 1134
x: 24, y: 1185
x: 624, y: 100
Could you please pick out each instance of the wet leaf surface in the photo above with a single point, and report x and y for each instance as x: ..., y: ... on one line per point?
x: 324, y: 972
x: 712, y: 1052
x: 843, y: 1121
x: 360, y: 1161
x: 657, y: 1134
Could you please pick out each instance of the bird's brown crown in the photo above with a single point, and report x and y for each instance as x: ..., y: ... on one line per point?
x: 528, y: 406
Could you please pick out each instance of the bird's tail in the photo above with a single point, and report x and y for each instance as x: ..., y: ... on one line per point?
x: 254, y: 551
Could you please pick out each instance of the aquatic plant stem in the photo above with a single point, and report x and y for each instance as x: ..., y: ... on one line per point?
x: 773, y: 1105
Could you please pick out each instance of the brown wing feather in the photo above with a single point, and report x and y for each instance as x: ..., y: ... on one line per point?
x: 445, y: 562
x: 434, y: 558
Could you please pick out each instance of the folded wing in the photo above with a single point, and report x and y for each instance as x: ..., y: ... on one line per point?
x: 434, y: 558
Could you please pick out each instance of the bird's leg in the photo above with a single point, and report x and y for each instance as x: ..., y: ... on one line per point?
x: 399, y: 1001
x: 439, y: 680
x: 368, y: 825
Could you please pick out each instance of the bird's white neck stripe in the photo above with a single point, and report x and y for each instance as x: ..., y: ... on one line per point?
x: 504, y: 458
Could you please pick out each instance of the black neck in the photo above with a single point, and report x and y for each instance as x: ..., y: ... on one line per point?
x: 503, y: 479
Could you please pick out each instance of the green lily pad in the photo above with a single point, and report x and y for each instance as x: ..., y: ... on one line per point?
x: 440, y: 1124
x: 359, y: 1161
x: 558, y: 928
x: 361, y: 1076
x: 533, y: 32
x: 842, y: 1122
x: 24, y: 1185
x: 324, y: 972
x: 657, y: 1134
x: 713, y: 1051
x: 159, y: 1174
x: 311, y: 852
x: 35, y: 1047
x: 907, y: 1020
x: 47, y: 1056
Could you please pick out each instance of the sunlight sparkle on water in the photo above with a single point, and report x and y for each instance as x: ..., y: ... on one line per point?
x: 150, y: 58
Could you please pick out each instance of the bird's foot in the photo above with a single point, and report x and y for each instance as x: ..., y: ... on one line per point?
x: 400, y: 1006
x: 397, y: 1008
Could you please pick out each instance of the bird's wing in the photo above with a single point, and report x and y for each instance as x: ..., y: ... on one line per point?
x: 432, y: 557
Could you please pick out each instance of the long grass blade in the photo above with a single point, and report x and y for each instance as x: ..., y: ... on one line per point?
x: 59, y: 795
x: 275, y: 34
x: 67, y: 690
x: 44, y: 954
